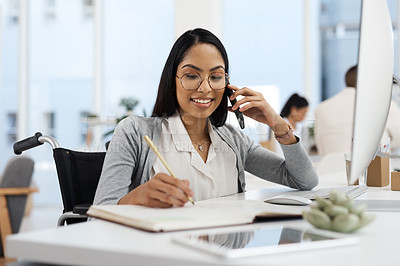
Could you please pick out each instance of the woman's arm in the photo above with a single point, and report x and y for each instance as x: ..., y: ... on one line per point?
x: 296, y: 170
x: 119, y: 164
x: 124, y: 169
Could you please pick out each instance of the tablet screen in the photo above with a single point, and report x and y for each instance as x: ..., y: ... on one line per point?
x: 261, y: 241
x: 260, y: 238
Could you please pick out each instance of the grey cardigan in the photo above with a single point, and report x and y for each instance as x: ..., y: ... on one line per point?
x: 129, y: 160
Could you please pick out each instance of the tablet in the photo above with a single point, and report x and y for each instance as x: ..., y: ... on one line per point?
x: 263, y: 241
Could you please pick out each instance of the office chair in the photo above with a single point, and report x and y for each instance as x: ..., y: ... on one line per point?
x: 78, y: 175
x: 14, y: 189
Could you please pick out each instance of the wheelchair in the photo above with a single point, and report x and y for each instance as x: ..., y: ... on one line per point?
x: 78, y: 176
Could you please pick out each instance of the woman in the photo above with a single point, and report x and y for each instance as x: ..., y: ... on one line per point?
x: 294, y: 111
x: 188, y: 127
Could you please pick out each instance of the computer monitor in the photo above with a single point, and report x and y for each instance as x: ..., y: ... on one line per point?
x: 374, y: 83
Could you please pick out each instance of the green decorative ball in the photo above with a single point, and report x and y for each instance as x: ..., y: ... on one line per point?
x: 337, y: 213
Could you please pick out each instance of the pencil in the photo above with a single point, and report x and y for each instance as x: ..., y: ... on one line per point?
x: 154, y: 148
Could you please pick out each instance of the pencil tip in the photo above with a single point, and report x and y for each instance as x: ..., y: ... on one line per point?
x: 191, y: 200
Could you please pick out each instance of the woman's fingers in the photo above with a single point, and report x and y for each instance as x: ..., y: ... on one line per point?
x: 254, y: 98
x: 253, y: 105
x: 162, y: 191
x: 243, y: 92
x: 166, y: 199
x: 248, y: 106
x: 233, y: 87
x: 168, y: 191
x: 158, y: 204
x: 176, y: 184
x: 247, y: 99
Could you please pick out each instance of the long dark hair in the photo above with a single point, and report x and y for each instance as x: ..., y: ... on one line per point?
x: 294, y: 100
x: 166, y: 102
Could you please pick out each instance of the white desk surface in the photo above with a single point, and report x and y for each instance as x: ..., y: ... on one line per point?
x: 105, y: 243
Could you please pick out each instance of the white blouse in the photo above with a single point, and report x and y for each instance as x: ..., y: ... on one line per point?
x: 216, y: 177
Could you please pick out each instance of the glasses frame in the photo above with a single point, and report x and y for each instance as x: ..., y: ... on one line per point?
x: 201, y: 81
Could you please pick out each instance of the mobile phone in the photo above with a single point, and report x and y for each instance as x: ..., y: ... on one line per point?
x: 238, y: 114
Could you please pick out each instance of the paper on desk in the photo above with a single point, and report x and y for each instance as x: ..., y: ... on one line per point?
x: 204, y: 214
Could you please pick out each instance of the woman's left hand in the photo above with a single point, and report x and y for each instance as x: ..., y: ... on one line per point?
x: 255, y: 106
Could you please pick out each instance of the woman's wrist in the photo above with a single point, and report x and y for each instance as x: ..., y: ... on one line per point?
x: 128, y: 199
x: 278, y: 125
x: 287, y: 137
x: 292, y: 140
x: 281, y: 128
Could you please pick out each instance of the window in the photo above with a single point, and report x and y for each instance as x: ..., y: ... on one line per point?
x: 11, y: 128
x: 13, y: 10
x: 87, y: 9
x: 49, y: 12
x: 137, y: 48
x: 339, y: 27
x: 49, y: 123
x: 60, y: 84
x: 264, y: 40
x: 88, y: 121
x: 8, y: 78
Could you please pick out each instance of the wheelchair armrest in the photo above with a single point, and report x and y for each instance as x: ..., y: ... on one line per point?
x: 71, y: 217
x: 78, y: 214
x: 81, y: 208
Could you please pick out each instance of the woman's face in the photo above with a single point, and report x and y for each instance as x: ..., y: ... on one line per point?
x: 298, y: 114
x: 206, y: 61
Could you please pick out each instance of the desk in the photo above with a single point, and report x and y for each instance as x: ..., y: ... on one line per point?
x: 104, y: 243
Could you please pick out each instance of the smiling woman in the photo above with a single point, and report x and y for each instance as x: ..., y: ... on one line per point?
x: 208, y: 156
x: 197, y: 99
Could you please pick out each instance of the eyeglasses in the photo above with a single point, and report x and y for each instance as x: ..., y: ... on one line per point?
x: 192, y: 82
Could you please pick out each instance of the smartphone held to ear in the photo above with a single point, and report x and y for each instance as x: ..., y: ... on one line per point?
x: 238, y: 114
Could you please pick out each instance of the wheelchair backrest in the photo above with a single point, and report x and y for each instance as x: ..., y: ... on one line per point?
x: 78, y: 175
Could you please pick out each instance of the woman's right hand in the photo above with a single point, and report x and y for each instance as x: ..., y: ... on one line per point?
x: 162, y: 191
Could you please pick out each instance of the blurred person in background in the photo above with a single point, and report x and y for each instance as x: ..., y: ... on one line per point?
x: 334, y: 120
x: 294, y: 112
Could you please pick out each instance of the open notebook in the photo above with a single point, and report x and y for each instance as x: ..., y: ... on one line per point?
x: 203, y: 214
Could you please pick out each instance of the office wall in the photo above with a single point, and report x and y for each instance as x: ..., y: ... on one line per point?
x: 265, y: 42
x: 190, y: 14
